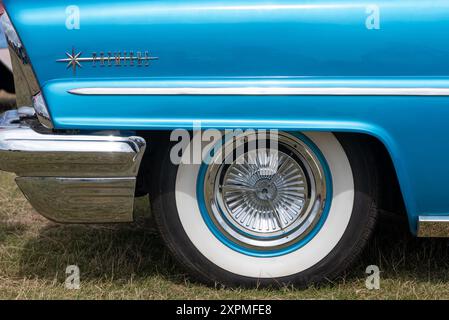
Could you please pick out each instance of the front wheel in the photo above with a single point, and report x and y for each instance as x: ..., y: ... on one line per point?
x: 298, y: 213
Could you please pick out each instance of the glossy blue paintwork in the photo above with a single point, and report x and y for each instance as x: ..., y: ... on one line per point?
x: 321, y: 43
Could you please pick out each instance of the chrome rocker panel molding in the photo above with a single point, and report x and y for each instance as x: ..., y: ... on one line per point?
x: 261, y: 91
x: 433, y: 226
x: 72, y: 178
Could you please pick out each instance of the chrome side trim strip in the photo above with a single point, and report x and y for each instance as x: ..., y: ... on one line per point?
x: 260, y: 91
x: 433, y: 226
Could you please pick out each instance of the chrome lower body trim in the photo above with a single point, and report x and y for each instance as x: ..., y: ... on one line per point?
x: 260, y: 91
x: 72, y: 178
x: 433, y: 226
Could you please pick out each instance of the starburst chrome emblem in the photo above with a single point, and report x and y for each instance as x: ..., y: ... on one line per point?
x: 108, y: 59
x: 73, y: 60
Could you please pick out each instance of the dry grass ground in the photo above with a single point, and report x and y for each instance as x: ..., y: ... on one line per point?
x: 130, y: 262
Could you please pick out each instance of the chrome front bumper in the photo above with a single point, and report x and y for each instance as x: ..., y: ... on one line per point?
x: 72, y: 178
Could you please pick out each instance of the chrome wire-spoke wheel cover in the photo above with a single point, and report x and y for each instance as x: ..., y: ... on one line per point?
x: 265, y: 198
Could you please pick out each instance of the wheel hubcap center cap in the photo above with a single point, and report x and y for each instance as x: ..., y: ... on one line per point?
x: 266, y: 190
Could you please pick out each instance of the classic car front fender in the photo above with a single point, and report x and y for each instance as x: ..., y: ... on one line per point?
x: 288, y: 64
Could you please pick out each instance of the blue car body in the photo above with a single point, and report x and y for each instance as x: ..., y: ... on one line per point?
x: 258, y: 44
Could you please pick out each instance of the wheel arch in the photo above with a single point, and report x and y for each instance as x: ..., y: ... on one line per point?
x: 390, y: 195
x: 392, y: 189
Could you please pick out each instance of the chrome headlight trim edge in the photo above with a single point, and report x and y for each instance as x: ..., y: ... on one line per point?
x: 25, y: 81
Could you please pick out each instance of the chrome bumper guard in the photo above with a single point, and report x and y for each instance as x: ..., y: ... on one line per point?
x: 72, y: 178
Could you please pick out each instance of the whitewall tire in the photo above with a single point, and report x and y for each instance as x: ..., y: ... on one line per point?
x: 304, y: 223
